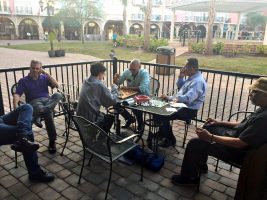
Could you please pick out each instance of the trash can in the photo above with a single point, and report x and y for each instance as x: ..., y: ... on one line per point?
x: 165, y: 55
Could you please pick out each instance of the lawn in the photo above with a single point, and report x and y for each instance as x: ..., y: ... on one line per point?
x: 99, y: 49
x: 243, y: 64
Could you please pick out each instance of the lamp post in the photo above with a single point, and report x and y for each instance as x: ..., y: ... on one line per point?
x: 49, y: 8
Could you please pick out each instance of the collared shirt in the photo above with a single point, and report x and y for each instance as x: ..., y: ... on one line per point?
x: 192, y: 91
x: 33, y: 89
x: 93, y: 95
x: 252, y: 130
x: 141, y: 80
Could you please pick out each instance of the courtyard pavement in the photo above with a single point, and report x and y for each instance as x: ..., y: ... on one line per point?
x: 14, y: 183
x: 125, y: 185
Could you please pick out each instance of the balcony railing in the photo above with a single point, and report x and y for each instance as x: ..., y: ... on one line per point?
x: 227, y: 91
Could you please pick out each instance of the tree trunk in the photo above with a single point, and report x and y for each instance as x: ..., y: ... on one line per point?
x: 212, y: 14
x: 147, y: 24
x: 124, y: 21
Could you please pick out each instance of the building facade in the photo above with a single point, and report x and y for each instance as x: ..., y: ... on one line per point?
x: 22, y: 19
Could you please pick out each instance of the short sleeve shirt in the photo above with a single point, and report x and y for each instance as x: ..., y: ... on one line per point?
x: 253, y: 130
x: 33, y: 89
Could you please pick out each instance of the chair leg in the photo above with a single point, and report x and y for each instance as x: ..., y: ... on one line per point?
x: 16, y: 159
x: 89, y: 162
x: 185, y: 133
x: 142, y: 166
x: 67, y: 131
x: 79, y: 182
x: 110, y: 173
x: 217, y: 163
x: 231, y: 168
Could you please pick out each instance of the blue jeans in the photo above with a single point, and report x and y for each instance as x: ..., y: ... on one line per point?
x: 45, y: 107
x: 18, y: 124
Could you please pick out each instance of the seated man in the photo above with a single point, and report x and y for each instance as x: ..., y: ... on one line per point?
x: 191, y: 92
x: 16, y: 129
x: 95, y: 94
x: 137, y: 80
x: 230, y: 143
x: 35, y: 87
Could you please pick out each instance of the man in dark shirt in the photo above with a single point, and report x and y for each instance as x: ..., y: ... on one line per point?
x: 35, y: 87
x: 228, y: 141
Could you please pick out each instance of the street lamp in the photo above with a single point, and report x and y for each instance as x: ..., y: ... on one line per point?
x: 49, y: 6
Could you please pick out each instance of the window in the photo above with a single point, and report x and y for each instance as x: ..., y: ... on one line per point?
x: 156, y: 17
x: 5, y: 6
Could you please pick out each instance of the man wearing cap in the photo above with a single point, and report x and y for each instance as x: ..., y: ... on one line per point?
x: 228, y: 141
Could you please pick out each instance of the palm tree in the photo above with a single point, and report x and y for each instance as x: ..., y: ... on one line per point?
x: 124, y: 3
x: 148, y: 11
x: 211, y: 19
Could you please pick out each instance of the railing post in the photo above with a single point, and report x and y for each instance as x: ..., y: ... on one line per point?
x: 2, y: 110
x: 115, y: 63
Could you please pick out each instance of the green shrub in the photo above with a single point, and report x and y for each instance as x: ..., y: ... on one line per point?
x: 261, y: 49
x: 218, y: 48
x: 198, y: 47
x: 155, y: 43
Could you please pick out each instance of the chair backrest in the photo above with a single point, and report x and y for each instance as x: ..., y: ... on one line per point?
x: 70, y: 92
x: 13, y: 91
x: 154, y: 86
x: 93, y: 138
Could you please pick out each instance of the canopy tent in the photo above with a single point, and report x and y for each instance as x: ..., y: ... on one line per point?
x: 226, y: 6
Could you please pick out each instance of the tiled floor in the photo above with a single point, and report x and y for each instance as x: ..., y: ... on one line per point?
x: 14, y: 183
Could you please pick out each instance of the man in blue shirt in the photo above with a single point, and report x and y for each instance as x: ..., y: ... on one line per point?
x: 137, y: 80
x: 191, y: 92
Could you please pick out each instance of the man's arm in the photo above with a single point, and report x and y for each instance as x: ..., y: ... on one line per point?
x: 52, y: 81
x: 227, y: 141
x: 16, y: 99
x: 211, y: 121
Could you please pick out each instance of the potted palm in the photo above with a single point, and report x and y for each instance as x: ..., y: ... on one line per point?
x: 51, y: 37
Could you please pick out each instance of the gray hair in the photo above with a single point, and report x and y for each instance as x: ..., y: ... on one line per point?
x: 136, y: 61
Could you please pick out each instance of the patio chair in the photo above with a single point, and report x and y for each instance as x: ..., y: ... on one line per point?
x: 229, y: 119
x: 107, y: 147
x: 154, y: 86
x: 69, y: 105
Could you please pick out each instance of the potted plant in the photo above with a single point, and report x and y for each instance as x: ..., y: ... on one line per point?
x: 51, y: 38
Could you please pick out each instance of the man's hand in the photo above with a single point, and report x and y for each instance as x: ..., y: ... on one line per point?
x: 42, y: 71
x: 203, y: 134
x: 164, y: 97
x: 116, y: 78
x: 211, y: 121
x: 182, y: 73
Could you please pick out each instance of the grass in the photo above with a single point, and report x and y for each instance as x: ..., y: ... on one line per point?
x: 99, y: 49
x: 244, y: 64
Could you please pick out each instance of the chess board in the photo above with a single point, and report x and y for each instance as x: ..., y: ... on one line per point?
x: 123, y: 94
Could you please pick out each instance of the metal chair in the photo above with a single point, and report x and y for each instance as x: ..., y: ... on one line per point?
x: 107, y: 147
x: 68, y: 104
x: 229, y: 119
x: 154, y: 86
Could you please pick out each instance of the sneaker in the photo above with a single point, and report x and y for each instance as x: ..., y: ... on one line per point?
x: 204, y: 168
x: 24, y: 145
x: 52, y: 147
x: 180, y: 180
x: 37, y: 122
x: 165, y: 143
x: 42, y: 176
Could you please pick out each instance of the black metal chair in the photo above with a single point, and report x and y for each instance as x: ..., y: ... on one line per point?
x: 107, y: 147
x: 69, y: 105
x: 229, y: 119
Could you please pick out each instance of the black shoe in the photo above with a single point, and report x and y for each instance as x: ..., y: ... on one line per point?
x: 128, y: 123
x: 204, y: 168
x: 37, y: 122
x: 42, y: 176
x: 167, y: 143
x: 24, y: 145
x: 52, y: 147
x: 180, y: 180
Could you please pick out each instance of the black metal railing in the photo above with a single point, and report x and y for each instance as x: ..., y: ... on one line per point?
x: 227, y: 91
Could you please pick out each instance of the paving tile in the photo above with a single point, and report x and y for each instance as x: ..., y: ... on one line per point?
x: 59, y: 185
x: 18, y: 190
x: 48, y: 194
x: 215, y: 185
x: 3, y: 192
x: 218, y: 196
x: 8, y: 181
x: 72, y: 193
x: 168, y: 194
